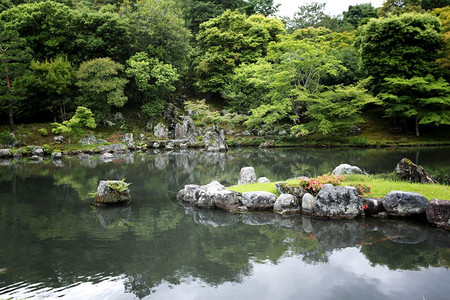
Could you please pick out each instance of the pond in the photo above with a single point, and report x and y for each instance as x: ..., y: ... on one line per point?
x: 53, y: 243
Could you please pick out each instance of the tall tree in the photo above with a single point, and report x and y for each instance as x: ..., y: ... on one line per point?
x: 15, y: 56
x: 312, y: 15
x: 398, y: 7
x: 229, y: 40
x: 358, y: 13
x: 101, y: 86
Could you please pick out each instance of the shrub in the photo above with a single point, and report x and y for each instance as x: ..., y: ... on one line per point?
x: 6, y: 138
x: 314, y: 185
x: 47, y: 149
x: 43, y: 131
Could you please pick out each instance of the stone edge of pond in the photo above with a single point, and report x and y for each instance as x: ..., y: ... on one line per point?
x: 332, y: 202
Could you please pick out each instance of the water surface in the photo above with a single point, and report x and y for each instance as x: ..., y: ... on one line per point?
x: 54, y: 244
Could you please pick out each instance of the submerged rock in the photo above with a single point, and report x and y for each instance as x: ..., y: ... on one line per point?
x: 247, y: 175
x: 404, y: 204
x: 407, y: 170
x: 108, y: 194
x: 337, y: 202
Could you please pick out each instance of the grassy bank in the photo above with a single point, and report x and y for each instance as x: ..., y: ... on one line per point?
x: 380, y: 187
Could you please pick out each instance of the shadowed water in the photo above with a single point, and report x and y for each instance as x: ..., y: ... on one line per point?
x: 54, y: 244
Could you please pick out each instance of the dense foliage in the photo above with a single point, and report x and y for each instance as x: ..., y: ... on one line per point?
x: 311, y: 73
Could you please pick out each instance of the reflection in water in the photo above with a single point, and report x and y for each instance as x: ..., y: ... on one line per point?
x: 53, y: 243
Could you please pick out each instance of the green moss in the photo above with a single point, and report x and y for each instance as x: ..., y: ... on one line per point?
x: 254, y: 187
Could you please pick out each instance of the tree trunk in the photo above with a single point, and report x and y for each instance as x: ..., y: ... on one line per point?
x: 10, y: 102
x: 417, y: 127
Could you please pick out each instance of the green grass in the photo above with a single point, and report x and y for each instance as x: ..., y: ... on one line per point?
x: 380, y: 187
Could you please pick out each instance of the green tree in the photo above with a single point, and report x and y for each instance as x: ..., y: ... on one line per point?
x: 154, y: 79
x: 432, y: 4
x: 335, y: 110
x: 15, y: 56
x: 398, y: 7
x: 359, y: 13
x: 100, y: 85
x: 399, y: 46
x: 424, y: 99
x: 51, y: 80
x: 444, y: 60
x: 312, y: 15
x: 83, y: 118
x: 229, y: 40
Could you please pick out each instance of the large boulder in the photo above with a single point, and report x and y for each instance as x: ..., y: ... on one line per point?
x: 407, y: 170
x: 88, y: 140
x: 308, y: 204
x: 185, y: 129
x: 287, y: 204
x: 161, y: 131
x: 345, y: 169
x: 341, y: 202
x: 247, y: 175
x: 293, y: 189
x: 5, y: 153
x: 210, y: 196
x: 438, y: 213
x: 110, y: 192
x: 404, y: 204
x: 215, y: 140
x: 128, y: 140
x: 258, y: 200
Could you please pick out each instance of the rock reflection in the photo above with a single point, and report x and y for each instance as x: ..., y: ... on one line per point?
x: 112, y: 216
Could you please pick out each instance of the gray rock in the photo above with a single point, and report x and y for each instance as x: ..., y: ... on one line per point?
x: 247, y: 175
x: 161, y: 131
x: 107, y: 195
x: 109, y: 123
x: 354, y: 130
x: 183, y: 146
x: 438, y: 213
x: 205, y: 197
x: 344, y: 169
x: 227, y: 200
x: 284, y: 188
x: 106, y: 157
x: 263, y: 180
x: 282, y: 132
x: 407, y: 170
x: 128, y: 140
x: 382, y: 215
x: 155, y: 145
x: 308, y: 203
x: 337, y: 202
x: 5, y: 153
x: 185, y: 129
x: 268, y: 144
x: 36, y: 158
x: 59, y: 139
x: 119, y: 148
x: 188, y: 193
x: 215, y: 139
x: 83, y: 156
x: 104, y: 148
x: 246, y: 133
x: 88, y: 140
x: 258, y: 200
x: 37, y: 151
x: 286, y: 204
x: 119, y: 117
x: 170, y: 146
x: 403, y: 204
x: 57, y: 155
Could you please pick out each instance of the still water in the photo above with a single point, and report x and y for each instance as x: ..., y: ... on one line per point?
x: 54, y: 244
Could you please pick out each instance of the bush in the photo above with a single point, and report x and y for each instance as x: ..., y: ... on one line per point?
x: 6, y: 138
x: 43, y: 131
x: 47, y: 149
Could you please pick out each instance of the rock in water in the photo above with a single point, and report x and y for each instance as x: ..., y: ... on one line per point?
x: 258, y: 200
x: 407, y: 170
x: 308, y: 203
x: 404, y: 204
x: 438, y: 213
x: 286, y: 204
x: 247, y: 175
x: 107, y: 194
x: 345, y: 169
x: 337, y: 202
x: 215, y: 140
